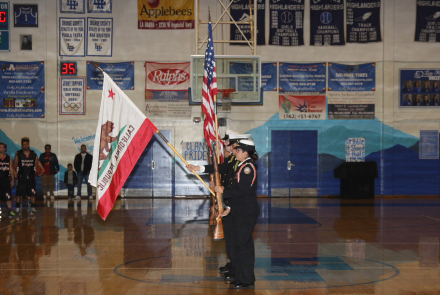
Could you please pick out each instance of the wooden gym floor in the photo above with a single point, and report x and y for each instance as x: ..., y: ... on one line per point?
x: 165, y: 246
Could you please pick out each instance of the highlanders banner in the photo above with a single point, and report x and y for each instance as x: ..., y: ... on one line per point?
x: 72, y: 6
x: 122, y: 74
x: 363, y: 21
x: 72, y: 32
x: 99, y: 36
x: 303, y: 77
x: 428, y: 21
x: 286, y: 22
x: 122, y: 134
x: 165, y: 14
x: 240, y: 11
x: 22, y: 90
x: 327, y: 22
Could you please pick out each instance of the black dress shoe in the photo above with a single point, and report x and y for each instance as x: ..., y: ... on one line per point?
x: 229, y: 278
x: 225, y: 274
x: 225, y: 266
x: 224, y: 269
x: 243, y: 286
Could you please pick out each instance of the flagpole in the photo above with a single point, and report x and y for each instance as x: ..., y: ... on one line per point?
x: 184, y: 161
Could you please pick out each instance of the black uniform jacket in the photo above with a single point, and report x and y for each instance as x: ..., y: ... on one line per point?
x: 226, y: 170
x: 241, y: 195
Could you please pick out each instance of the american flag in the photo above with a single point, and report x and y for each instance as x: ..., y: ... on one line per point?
x: 208, y: 92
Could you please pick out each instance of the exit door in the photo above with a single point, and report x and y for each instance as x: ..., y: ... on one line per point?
x: 152, y: 174
x: 294, y: 163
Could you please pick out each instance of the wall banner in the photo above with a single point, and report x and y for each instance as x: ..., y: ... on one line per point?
x: 427, y: 21
x: 355, y: 149
x: 72, y: 94
x: 419, y: 88
x: 363, y: 21
x: 243, y: 83
x: 72, y: 6
x: 269, y: 76
x: 122, y: 74
x: 173, y: 110
x: 286, y: 23
x: 99, y: 6
x: 72, y: 32
x: 351, y: 105
x: 428, y: 145
x: 195, y: 151
x: 165, y: 14
x: 302, y: 107
x: 303, y: 77
x: 22, y: 89
x: 352, y: 77
x: 240, y: 12
x: 99, y: 36
x: 327, y: 22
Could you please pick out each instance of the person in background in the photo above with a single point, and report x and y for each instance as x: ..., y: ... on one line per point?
x: 51, y: 167
x: 7, y: 178
x: 83, y: 165
x: 70, y: 180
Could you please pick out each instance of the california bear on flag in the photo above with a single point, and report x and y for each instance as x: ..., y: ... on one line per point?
x: 122, y: 134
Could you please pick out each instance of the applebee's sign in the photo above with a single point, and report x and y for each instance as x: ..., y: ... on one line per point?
x: 167, y: 76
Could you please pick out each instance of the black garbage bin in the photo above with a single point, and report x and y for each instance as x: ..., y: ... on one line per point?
x: 357, y: 179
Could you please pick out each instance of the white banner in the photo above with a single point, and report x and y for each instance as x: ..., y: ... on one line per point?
x: 99, y: 36
x: 100, y: 6
x: 72, y: 96
x: 174, y: 110
x: 167, y: 76
x: 72, y: 6
x: 71, y: 37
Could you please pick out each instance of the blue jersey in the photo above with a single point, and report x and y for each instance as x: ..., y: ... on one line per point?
x: 26, y: 16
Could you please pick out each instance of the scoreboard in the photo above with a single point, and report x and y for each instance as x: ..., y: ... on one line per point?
x: 4, y: 26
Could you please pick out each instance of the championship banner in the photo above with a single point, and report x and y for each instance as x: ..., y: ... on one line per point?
x: 72, y: 6
x: 269, y: 76
x: 363, y: 21
x: 302, y: 107
x: 72, y: 94
x: 99, y: 6
x: 22, y: 90
x: 240, y: 11
x: 122, y: 74
x: 165, y: 14
x: 303, y: 77
x: 286, y: 23
x: 122, y: 134
x: 72, y: 32
x: 428, y: 21
x: 167, y: 81
x: 327, y: 22
x: 352, y: 77
x: 419, y: 88
x: 99, y: 36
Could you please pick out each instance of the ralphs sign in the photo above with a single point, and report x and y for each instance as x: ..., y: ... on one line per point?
x: 167, y: 76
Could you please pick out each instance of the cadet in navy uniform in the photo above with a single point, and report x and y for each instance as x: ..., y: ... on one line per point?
x: 7, y: 178
x: 425, y: 86
x: 227, y: 171
x: 25, y: 162
x: 243, y: 208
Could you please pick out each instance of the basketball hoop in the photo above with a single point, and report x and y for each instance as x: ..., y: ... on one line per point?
x: 226, y: 99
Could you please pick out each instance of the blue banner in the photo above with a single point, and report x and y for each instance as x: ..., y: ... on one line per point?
x: 327, y: 22
x: 428, y: 21
x: 302, y: 77
x: 352, y: 77
x: 286, y: 23
x: 240, y: 12
x: 269, y: 76
x: 244, y: 83
x: 419, y: 87
x: 22, y: 89
x: 363, y: 21
x: 121, y: 73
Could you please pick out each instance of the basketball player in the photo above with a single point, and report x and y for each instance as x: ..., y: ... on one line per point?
x: 7, y: 177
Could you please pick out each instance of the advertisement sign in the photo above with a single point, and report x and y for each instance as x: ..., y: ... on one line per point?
x: 72, y: 36
x: 72, y: 96
x: 428, y: 146
x: 286, y: 23
x: 302, y: 77
x: 419, y: 88
x: 99, y: 36
x: 172, y: 110
x: 22, y: 89
x: 363, y: 21
x: 269, y: 76
x: 165, y: 14
x: 302, y: 107
x: 122, y: 74
x: 352, y: 77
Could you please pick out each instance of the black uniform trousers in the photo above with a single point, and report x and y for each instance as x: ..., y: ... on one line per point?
x: 228, y: 230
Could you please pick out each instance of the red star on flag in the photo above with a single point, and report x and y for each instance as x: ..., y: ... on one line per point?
x: 111, y: 94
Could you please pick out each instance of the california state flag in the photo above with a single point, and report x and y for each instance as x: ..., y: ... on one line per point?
x: 122, y: 134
